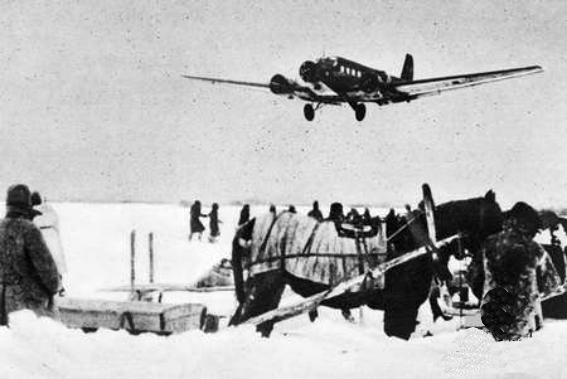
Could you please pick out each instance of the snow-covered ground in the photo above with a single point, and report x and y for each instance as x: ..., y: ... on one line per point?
x: 96, y: 239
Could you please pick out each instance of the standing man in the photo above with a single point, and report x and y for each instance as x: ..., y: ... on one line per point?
x: 244, y: 215
x: 316, y: 212
x: 214, y: 230
x: 28, y: 274
x: 518, y: 271
x: 196, y: 225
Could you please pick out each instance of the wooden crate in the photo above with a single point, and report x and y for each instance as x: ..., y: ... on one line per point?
x: 134, y: 316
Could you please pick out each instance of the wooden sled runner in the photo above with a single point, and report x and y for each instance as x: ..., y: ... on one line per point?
x: 133, y: 316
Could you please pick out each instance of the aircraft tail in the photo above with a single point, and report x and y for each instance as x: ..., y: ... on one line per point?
x: 407, y: 70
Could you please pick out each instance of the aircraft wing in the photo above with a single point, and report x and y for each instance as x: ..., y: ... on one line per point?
x: 228, y: 81
x: 280, y: 85
x: 434, y: 86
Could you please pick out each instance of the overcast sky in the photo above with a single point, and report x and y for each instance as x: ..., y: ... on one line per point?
x: 94, y: 106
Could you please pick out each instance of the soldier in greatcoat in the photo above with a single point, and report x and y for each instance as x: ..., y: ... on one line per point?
x: 28, y: 274
x: 517, y: 273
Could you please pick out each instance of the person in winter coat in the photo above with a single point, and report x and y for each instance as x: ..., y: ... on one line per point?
x: 28, y: 277
x: 517, y: 273
x: 316, y: 212
x: 214, y: 223
x: 273, y: 209
x: 196, y: 225
x: 48, y: 223
x: 336, y: 213
x: 244, y: 215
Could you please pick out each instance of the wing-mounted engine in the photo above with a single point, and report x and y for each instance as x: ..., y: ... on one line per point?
x: 280, y: 85
x: 372, y: 82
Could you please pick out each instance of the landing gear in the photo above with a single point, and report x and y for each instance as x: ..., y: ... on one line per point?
x: 360, y: 111
x: 309, y: 112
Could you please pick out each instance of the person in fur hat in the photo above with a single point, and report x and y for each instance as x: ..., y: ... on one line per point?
x: 29, y: 277
x: 518, y: 271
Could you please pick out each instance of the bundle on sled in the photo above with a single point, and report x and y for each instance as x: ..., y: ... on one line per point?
x: 220, y: 275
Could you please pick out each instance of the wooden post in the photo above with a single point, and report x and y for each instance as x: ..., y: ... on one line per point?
x: 133, y: 264
x: 151, y: 247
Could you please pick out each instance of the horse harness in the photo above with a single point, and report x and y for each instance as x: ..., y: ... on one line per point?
x: 360, y: 235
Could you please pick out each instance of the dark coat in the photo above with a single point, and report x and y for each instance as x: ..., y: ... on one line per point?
x: 513, y: 261
x: 214, y: 223
x: 196, y: 224
x: 29, y: 276
x: 244, y: 215
x: 316, y: 214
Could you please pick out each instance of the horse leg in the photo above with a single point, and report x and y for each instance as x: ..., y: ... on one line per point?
x: 263, y: 294
x: 306, y: 288
x: 406, y: 289
x: 400, y: 319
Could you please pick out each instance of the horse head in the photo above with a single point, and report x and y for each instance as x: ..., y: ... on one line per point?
x: 478, y: 217
x: 474, y: 218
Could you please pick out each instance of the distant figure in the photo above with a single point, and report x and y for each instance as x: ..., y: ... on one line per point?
x: 196, y: 224
x: 292, y: 209
x: 316, y: 212
x: 336, y: 213
x: 48, y: 223
x: 366, y: 217
x: 29, y: 278
x: 353, y: 217
x: 214, y: 231
x: 244, y: 215
x: 273, y: 209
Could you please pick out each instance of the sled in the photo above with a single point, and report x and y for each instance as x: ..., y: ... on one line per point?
x: 134, y: 316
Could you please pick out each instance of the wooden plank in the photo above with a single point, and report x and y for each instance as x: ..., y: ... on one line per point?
x: 429, y: 206
x: 134, y: 316
x: 165, y: 287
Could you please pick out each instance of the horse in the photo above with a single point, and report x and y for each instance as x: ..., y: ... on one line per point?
x: 409, y: 285
x: 404, y: 288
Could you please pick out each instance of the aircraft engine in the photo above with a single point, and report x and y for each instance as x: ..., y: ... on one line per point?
x: 280, y: 85
x: 370, y: 83
x: 308, y: 71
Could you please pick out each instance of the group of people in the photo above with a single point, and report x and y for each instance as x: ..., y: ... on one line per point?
x: 197, y: 227
x: 30, y: 255
x: 336, y: 214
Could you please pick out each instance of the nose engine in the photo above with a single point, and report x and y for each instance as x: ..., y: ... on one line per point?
x: 308, y: 71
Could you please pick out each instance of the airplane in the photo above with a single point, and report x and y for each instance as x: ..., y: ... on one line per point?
x: 335, y: 80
